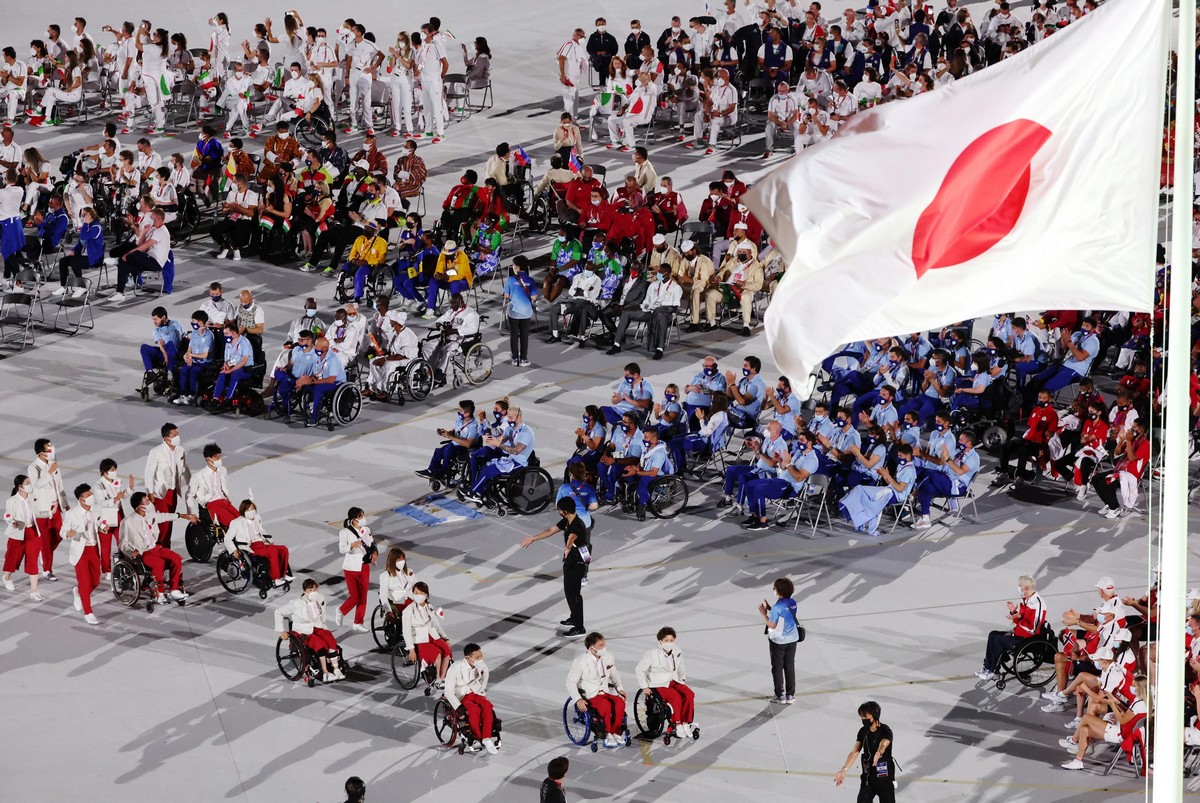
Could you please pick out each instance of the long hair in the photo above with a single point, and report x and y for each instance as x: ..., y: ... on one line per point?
x: 394, y: 554
x: 18, y: 481
x: 352, y: 514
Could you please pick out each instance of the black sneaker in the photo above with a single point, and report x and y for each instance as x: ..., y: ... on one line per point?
x: 749, y: 520
x: 641, y: 512
x: 426, y: 473
x: 614, y: 349
x: 575, y: 632
x: 757, y: 524
x: 658, y: 354
x: 746, y: 331
x: 568, y: 622
x: 724, y: 502
x: 553, y: 339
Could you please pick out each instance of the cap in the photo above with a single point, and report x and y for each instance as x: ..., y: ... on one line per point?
x: 1104, y: 653
x: 362, y: 164
x: 450, y: 246
x: 372, y: 224
x: 659, y: 239
x: 741, y: 225
x: 1106, y: 584
x: 686, y: 245
x: 1123, y: 635
x: 398, y: 316
x: 746, y: 246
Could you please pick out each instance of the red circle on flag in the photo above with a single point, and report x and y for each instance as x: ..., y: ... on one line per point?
x: 981, y: 197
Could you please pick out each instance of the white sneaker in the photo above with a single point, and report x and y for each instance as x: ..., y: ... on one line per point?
x: 106, y: 576
x: 923, y: 523
x: 610, y: 741
x: 1080, y: 492
x: 224, y: 252
x: 91, y: 619
x: 1073, y: 724
x: 985, y: 674
x: 684, y: 730
x: 178, y: 596
x: 327, y: 678
x: 1110, y: 512
x: 1054, y: 707
x: 10, y: 585
x: 279, y: 582
x: 36, y: 597
x: 78, y: 600
x: 338, y: 674
x: 1073, y: 764
x: 78, y: 292
x: 117, y: 298
x: 337, y: 618
x: 1054, y: 694
x: 490, y: 746
x: 60, y: 291
x: 161, y: 599
x: 1069, y: 743
x: 287, y: 576
x: 237, y: 255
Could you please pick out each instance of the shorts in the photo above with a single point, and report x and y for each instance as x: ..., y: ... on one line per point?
x: 1112, y: 733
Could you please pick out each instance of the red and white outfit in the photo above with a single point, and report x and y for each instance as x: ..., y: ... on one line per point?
x: 1129, y: 470
x: 167, y: 478
x: 595, y: 678
x: 105, y: 492
x: 466, y: 685
x: 140, y: 534
x: 663, y: 671
x: 1029, y: 617
x: 49, y: 501
x: 210, y: 489
x: 306, y: 617
x: 249, y: 532
x: 82, y: 530
x: 395, y: 590
x: 23, y: 541
x: 424, y: 633
x: 356, y: 571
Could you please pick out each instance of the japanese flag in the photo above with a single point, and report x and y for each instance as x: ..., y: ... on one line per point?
x: 1029, y: 185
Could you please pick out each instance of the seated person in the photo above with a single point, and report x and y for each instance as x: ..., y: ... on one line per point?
x: 1079, y: 464
x: 88, y: 252
x: 712, y: 424
x: 580, y: 302
x: 791, y: 479
x: 456, y: 326
x: 893, y: 373
x: 485, y: 251
x: 232, y: 232
x: 453, y: 274
x: 139, y: 539
x: 209, y: 488
x: 368, y: 252
x: 661, y: 671
x: 196, y: 359
x: 1027, y: 618
x: 782, y: 405
x: 594, y: 681
x: 768, y: 455
x: 462, y: 204
x: 247, y: 530
x: 294, y: 363
x: 954, y: 479
x: 866, y: 459
x: 1116, y: 726
x: 1081, y: 349
x: 497, y: 428
x: 238, y: 359
x: 971, y: 396
x: 424, y: 634
x: 634, y: 395
x: 414, y: 269
x: 566, y: 260
x: 459, y: 441
x: 328, y: 372
x: 936, y: 387
x: 577, y: 488
x: 399, y: 347
x: 516, y: 445
x: 305, y: 616
x: 51, y: 228
x: 164, y: 351
x: 624, y: 449
x: 466, y: 688
x: 589, y: 440
x: 654, y: 462
x: 628, y: 295
x: 1027, y: 356
x: 345, y: 336
x: 1033, y: 445
x: 657, y: 310
x: 669, y: 420
x: 1130, y: 456
x: 707, y: 381
x: 745, y: 394
x: 395, y: 583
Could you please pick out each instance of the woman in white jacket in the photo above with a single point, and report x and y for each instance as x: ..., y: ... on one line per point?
x: 247, y: 529
x: 661, y: 670
x: 395, y: 583
x: 21, y: 536
x: 424, y: 634
x: 356, y: 543
x: 110, y: 491
x: 306, y: 617
x: 594, y: 680
x: 400, y: 70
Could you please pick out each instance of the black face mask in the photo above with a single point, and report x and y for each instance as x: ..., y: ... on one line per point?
x: 866, y: 723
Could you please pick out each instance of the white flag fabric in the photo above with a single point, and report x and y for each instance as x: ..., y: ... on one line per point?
x: 1031, y: 184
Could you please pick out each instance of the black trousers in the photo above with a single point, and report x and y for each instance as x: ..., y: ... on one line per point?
x: 1105, y: 490
x: 872, y: 787
x: 518, y: 337
x: 133, y: 265
x: 573, y: 574
x: 235, y: 234
x: 998, y: 642
x: 338, y: 239
x: 75, y: 263
x: 1024, y: 450
x: 783, y: 667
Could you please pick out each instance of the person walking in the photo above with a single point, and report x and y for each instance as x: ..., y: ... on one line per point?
x: 552, y: 791
x: 784, y: 635
x: 576, y: 558
x: 356, y: 790
x: 874, y: 742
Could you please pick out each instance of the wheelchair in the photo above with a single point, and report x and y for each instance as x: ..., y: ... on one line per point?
x: 157, y: 379
x: 340, y: 407
x: 653, y: 716
x: 298, y: 663
x: 453, y: 728
x: 411, y: 673
x: 668, y: 496
x: 386, y: 632
x: 1031, y: 662
x: 311, y: 128
x: 526, y: 491
x: 990, y: 422
x: 455, y: 476
x: 132, y: 581
x: 472, y: 362
x: 235, y: 574
x: 379, y: 283
x: 585, y: 729
x: 200, y: 537
x: 415, y: 380
x: 246, y: 397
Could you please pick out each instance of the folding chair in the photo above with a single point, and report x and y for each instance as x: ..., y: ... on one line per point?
x: 381, y: 104
x: 17, y: 307
x: 698, y: 231
x: 488, y: 100
x: 793, y: 509
x: 68, y: 302
x: 600, y: 172
x: 955, y: 508
x: 1137, y: 757
x: 899, y: 510
x: 457, y: 96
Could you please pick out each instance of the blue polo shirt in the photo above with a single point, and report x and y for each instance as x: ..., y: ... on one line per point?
x: 327, y: 366
x: 639, y: 390
x: 784, y: 610
x: 1090, y: 345
x: 200, y: 342
x: 754, y: 388
x: 711, y: 384
x: 583, y: 494
x: 303, y: 362
x: 234, y: 352
x: 520, y: 435
x: 170, y: 332
x: 626, y: 444
x: 801, y: 461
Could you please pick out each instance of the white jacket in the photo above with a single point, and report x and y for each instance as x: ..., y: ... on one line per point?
x: 464, y: 679
x: 243, y: 531
x: 167, y: 470
x: 395, y: 589
x: 140, y: 533
x: 47, y: 489
x: 85, y: 524
x: 590, y: 675
x: 353, y: 561
x: 303, y: 614
x: 421, y: 624
x: 211, y: 485
x: 18, y: 509
x: 658, y: 669
x: 105, y: 493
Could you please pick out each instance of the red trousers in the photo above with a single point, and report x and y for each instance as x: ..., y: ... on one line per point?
x: 30, y: 548
x: 480, y: 714
x: 106, y: 538
x: 165, y: 504
x: 157, y: 560
x: 610, y: 708
x: 321, y: 640
x: 430, y: 650
x: 222, y: 511
x: 276, y: 557
x: 87, y: 574
x: 357, y: 584
x: 50, y: 530
x: 681, y: 699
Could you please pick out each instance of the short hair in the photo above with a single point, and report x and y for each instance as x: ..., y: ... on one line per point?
x: 592, y: 638
x: 784, y: 587
x: 970, y: 436
x: 159, y: 312
x: 136, y: 500
x: 566, y: 505
x: 211, y: 450
x: 167, y: 428
x: 557, y: 768
x: 663, y: 632
x: 1019, y: 323
x: 310, y: 583
x: 107, y: 465
x: 81, y: 489
x: 1027, y: 581
x: 904, y: 448
x: 40, y: 445
x: 471, y: 648
x: 755, y: 363
x: 421, y: 586
x: 471, y: 176
x: 870, y: 707
x: 633, y: 368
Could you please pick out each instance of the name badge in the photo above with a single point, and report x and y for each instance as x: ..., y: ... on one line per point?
x: 586, y: 554
x: 881, y: 769
x: 618, y: 453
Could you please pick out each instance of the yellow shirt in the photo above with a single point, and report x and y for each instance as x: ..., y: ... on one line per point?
x: 457, y: 270
x: 372, y: 250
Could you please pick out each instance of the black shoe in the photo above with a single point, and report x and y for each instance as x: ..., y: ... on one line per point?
x: 641, y: 512
x: 581, y: 343
x: 568, y: 622
x: 723, y: 503
x: 746, y: 331
x: 426, y: 473
x: 749, y: 520
x: 575, y: 632
x: 758, y: 525
x: 553, y: 339
x: 614, y: 349
x: 692, y: 328
x: 706, y: 327
x: 658, y: 354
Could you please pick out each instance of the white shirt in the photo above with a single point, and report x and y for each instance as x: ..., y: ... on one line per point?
x: 210, y: 485
x: 219, y: 313
x: 161, y: 250
x: 150, y: 161
x: 723, y: 97
x: 429, y: 59
x: 105, y: 492
x: 353, y: 561
x: 140, y: 533
x: 361, y: 55
x: 575, y: 64
x: 302, y: 615
x: 245, y: 532
x: 783, y: 107
x: 588, y: 282
x: 47, y: 488
x: 465, y: 321
x: 395, y: 589
x: 662, y: 294
x: 421, y: 624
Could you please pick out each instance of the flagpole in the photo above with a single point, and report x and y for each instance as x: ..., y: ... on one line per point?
x: 1168, y: 724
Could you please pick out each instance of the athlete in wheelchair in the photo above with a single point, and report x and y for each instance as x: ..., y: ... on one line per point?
x: 464, y: 716
x: 595, y: 707
x: 395, y: 594
x: 515, y: 478
x: 397, y: 367
x: 142, y: 564
x: 1026, y: 651
x: 294, y: 362
x: 652, y: 482
x: 453, y: 333
x: 305, y: 646
x: 423, y: 652
x: 237, y: 380
x: 663, y: 700
x: 267, y: 565
x: 455, y: 449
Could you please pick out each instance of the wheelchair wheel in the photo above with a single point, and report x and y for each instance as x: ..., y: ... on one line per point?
x: 234, y: 574
x: 477, y: 364
x: 1034, y: 663
x: 379, y: 283
x: 528, y: 490
x: 420, y: 378
x: 126, y: 586
x: 445, y: 723
x: 289, y: 655
x: 668, y: 497
x: 199, y: 540
x: 993, y: 438
x: 406, y: 672
x: 539, y: 216
x: 385, y: 632
x: 162, y: 383
x: 346, y: 403
x: 647, y: 715
x: 577, y: 724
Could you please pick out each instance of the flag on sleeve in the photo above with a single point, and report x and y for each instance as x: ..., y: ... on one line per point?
x: 573, y: 163
x: 521, y: 158
x: 1039, y: 190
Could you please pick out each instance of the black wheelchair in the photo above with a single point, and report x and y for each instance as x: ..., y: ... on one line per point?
x: 409, y: 674
x: 132, y: 582
x: 453, y: 728
x: 159, y: 381
x: 456, y: 474
x: 311, y: 128
x: 380, y: 282
x: 585, y: 729
x: 990, y: 422
x: 386, y: 630
x: 236, y: 574
x: 202, y: 536
x: 298, y: 663
x: 526, y: 491
x: 653, y: 717
x: 341, y: 407
x: 246, y: 399
x: 1031, y: 662
x: 415, y: 380
x: 668, y: 496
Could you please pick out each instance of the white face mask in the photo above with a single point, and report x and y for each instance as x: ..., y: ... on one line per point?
x: 295, y: 73
x: 313, y: 595
x: 668, y: 646
x: 1020, y: 592
x: 419, y: 598
x: 32, y: 53
x: 400, y: 565
x: 216, y: 463
x: 50, y: 453
x: 175, y: 441
x: 110, y: 475
x: 601, y: 28
x: 86, y: 502
x: 27, y: 489
x: 252, y: 514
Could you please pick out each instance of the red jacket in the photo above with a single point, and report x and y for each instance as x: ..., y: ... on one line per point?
x: 639, y: 225
x: 579, y: 191
x: 754, y: 229
x: 1043, y: 422
x: 595, y: 217
x: 717, y: 213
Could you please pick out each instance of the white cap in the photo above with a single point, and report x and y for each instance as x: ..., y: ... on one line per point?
x: 397, y: 316
x: 450, y: 246
x: 1106, y: 584
x: 1104, y: 653
x: 1123, y: 635
x: 659, y: 239
x: 363, y: 163
x: 746, y: 246
x: 686, y: 245
x: 741, y: 225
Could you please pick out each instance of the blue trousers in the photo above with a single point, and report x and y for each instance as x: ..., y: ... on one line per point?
x: 1056, y: 377
x: 480, y: 458
x: 360, y: 277
x: 439, y: 464
x: 643, y: 490
x: 736, y: 478
x: 759, y: 491
x: 319, y: 392
x: 924, y: 406
x: 168, y: 277
x: 227, y: 384
x: 409, y: 288
x: 286, y: 384
x: 189, y: 377
x: 152, y: 356
x: 589, y: 459
x: 865, y: 401
x: 690, y: 411
x: 489, y: 473
x: 436, y: 285
x: 683, y: 445
x: 611, y: 414
x: 608, y: 477
x: 857, y: 382
x: 1025, y: 369
x: 967, y: 400
x: 937, y: 483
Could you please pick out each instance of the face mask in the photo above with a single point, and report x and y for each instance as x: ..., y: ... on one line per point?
x: 252, y: 515
x: 295, y: 73
x: 33, y: 53
x: 320, y: 352
x: 626, y: 427
x: 175, y: 441
x: 228, y: 339
x: 110, y: 475
x: 670, y: 396
x: 247, y: 306
x: 745, y: 372
x: 645, y: 444
x: 866, y: 723
x: 311, y: 595
x: 667, y: 646
x: 1043, y: 404
x: 906, y: 425
x: 1094, y: 416
x: 195, y: 326
x: 419, y: 598
x: 715, y: 197
x: 842, y: 422
x: 497, y: 416
x: 310, y: 313
x: 820, y: 419
x: 675, y: 29
x: 635, y: 31
x: 728, y: 182
x: 216, y: 299
x: 284, y: 134
x: 595, y: 202
x: 601, y: 28
x: 27, y: 489
x: 940, y: 427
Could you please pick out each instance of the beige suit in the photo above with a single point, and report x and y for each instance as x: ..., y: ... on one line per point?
x: 701, y: 272
x: 751, y: 284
